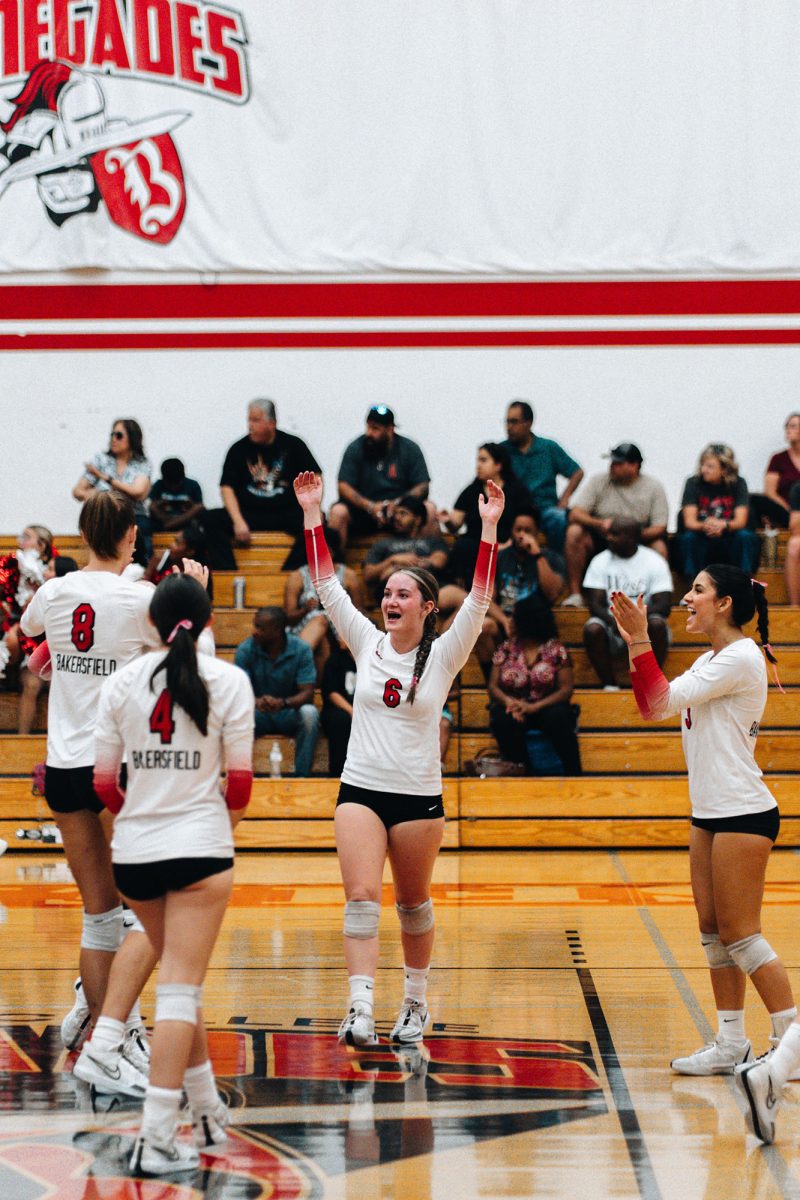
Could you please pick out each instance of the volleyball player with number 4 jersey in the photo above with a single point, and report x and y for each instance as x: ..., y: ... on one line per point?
x: 175, y: 715
x: 735, y: 819
x: 390, y: 800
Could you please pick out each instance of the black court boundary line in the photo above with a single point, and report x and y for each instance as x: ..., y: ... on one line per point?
x: 626, y: 1113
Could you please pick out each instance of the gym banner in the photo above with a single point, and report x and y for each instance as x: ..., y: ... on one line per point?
x: 352, y: 137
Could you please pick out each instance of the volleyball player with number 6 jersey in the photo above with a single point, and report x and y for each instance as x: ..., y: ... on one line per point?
x: 175, y: 715
x: 95, y: 621
x: 390, y: 799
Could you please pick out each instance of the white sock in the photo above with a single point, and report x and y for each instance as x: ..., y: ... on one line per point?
x: 416, y: 983
x: 108, y: 1034
x: 731, y: 1024
x: 160, y: 1113
x: 786, y: 1058
x: 781, y: 1021
x: 134, y: 1020
x: 201, y: 1088
x: 362, y: 989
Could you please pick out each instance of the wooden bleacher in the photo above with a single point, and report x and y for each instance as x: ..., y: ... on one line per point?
x: 633, y: 792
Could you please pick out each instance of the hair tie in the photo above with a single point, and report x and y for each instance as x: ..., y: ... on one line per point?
x: 184, y: 624
x: 760, y: 584
x: 414, y: 681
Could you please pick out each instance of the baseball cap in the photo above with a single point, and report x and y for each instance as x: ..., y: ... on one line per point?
x: 379, y: 414
x: 625, y: 452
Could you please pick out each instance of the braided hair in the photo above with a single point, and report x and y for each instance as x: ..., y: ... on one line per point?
x: 748, y: 598
x: 429, y: 590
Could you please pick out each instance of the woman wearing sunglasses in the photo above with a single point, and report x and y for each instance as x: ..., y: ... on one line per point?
x: 123, y: 469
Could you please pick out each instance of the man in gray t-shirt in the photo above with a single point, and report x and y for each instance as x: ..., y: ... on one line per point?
x: 623, y: 492
x: 377, y: 469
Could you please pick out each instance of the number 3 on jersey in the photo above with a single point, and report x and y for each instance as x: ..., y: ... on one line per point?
x: 83, y: 627
x: 391, y: 693
x: 161, y: 721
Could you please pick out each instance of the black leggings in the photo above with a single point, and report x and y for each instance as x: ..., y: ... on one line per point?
x: 556, y: 722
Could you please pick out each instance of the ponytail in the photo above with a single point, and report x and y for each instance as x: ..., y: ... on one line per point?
x: 180, y: 610
x: 105, y: 519
x: 748, y: 599
x: 429, y: 590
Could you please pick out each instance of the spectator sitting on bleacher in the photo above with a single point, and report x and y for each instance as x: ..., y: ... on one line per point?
x: 538, y: 462
x: 281, y: 669
x: 405, y: 546
x: 715, y: 510
x: 123, y: 469
x: 377, y: 469
x: 526, y: 567
x: 622, y: 492
x: 256, y: 486
x: 338, y: 689
x: 187, y: 543
x: 626, y: 566
x: 772, y: 508
x: 530, y: 689
x: 30, y: 685
x: 175, y: 500
x: 792, y: 566
x: 493, y: 463
x: 22, y: 573
x: 304, y: 614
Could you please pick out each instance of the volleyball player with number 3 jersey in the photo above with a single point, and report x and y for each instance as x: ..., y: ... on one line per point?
x: 735, y: 819
x: 390, y: 800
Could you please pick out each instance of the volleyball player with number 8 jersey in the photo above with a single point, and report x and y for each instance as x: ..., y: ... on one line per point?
x: 390, y: 800
x: 95, y: 621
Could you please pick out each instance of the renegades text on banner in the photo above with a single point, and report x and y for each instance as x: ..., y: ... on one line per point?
x: 190, y: 44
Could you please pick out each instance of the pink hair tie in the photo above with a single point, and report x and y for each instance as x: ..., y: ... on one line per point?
x: 181, y: 625
x: 760, y: 584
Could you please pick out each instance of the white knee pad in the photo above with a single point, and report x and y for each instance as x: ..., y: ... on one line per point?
x: 715, y: 952
x: 102, y: 931
x: 361, y: 918
x: 131, y: 922
x: 752, y: 952
x: 418, y: 919
x: 177, y: 1002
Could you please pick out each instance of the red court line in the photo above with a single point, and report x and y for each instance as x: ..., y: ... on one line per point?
x: 459, y: 298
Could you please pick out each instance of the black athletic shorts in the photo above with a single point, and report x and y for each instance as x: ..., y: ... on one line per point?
x: 71, y: 789
x: 393, y: 808
x: 766, y: 823
x: 150, y: 881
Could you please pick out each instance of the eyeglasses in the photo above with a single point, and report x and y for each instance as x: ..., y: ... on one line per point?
x: 118, y: 433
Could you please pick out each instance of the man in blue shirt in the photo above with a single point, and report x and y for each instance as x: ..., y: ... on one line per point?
x: 281, y: 669
x: 537, y: 463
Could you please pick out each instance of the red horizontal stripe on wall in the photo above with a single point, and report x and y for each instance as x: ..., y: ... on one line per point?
x: 446, y: 299
x: 390, y: 341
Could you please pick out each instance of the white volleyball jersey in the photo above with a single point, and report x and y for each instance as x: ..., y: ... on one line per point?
x: 721, y: 699
x: 95, y: 622
x: 394, y: 745
x: 174, y: 806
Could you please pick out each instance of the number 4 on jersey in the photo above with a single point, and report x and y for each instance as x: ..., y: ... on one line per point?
x: 161, y: 721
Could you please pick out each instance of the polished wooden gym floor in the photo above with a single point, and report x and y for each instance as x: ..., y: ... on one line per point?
x: 563, y: 984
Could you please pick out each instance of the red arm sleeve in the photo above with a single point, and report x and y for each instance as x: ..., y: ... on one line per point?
x: 108, y: 791
x: 320, y: 563
x: 650, y: 685
x: 483, y: 579
x: 238, y: 786
x: 39, y: 662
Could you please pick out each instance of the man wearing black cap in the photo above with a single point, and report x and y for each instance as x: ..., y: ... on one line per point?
x: 623, y: 492
x: 377, y: 468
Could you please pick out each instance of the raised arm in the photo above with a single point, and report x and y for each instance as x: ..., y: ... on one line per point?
x: 456, y: 644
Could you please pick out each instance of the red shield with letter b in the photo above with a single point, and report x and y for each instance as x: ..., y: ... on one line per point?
x: 142, y: 185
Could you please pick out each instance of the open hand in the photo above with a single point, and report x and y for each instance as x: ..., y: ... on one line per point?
x: 631, y: 618
x: 308, y: 490
x: 194, y: 570
x: 492, y: 504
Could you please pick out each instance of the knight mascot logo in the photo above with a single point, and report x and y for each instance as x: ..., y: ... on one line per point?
x: 56, y: 127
